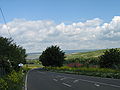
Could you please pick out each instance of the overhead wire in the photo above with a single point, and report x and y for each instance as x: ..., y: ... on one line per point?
x: 5, y: 22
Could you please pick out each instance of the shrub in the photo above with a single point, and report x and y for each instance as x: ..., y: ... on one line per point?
x: 13, y: 81
x: 3, y: 84
x: 110, y: 59
x: 99, y: 72
x: 11, y: 54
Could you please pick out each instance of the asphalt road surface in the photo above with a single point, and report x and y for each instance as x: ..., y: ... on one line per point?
x: 44, y: 80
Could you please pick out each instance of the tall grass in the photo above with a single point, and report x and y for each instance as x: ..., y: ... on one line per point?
x: 13, y: 81
x: 99, y: 72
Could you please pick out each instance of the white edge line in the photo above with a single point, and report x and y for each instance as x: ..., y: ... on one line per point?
x: 27, y: 79
x: 66, y: 84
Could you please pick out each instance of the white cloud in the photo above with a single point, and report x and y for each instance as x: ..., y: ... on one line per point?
x: 37, y: 35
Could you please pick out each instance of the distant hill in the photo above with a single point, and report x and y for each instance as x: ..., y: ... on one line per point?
x: 36, y: 55
x: 88, y: 54
x: 73, y: 53
x: 77, y: 51
x: 31, y: 56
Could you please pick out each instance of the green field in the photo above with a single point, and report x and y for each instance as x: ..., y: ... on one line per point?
x: 91, y: 54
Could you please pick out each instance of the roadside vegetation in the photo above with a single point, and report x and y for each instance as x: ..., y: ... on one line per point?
x: 97, y: 72
x: 32, y: 64
x: 101, y: 63
x: 12, y: 81
x: 11, y: 74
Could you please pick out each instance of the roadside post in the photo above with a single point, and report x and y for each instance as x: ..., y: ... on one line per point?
x: 20, y: 65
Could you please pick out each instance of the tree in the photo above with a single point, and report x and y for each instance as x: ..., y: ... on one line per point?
x: 110, y: 59
x: 52, y: 56
x: 11, y: 54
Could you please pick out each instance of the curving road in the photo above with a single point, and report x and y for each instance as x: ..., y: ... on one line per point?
x: 44, y: 80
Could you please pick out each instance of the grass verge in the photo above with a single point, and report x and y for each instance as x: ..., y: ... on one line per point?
x: 12, y: 81
x: 97, y: 72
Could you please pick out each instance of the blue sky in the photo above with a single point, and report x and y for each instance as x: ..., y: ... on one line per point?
x: 70, y: 24
x: 60, y: 10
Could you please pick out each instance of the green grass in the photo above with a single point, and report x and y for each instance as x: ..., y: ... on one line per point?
x: 32, y: 66
x: 91, y: 54
x: 97, y: 72
x: 12, y: 81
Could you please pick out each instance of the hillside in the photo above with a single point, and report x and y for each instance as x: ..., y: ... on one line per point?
x: 31, y: 56
x: 86, y: 54
x: 70, y: 54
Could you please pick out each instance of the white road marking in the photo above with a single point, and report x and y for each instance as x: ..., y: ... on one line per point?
x: 75, y: 81
x: 112, y: 85
x: 96, y: 84
x: 63, y: 78
x: 26, y: 81
x: 66, y: 84
x: 55, y: 80
x: 26, y: 78
x: 99, y: 83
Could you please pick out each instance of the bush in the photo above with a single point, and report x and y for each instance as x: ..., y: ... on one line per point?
x: 99, y: 72
x: 3, y: 84
x: 110, y: 59
x: 13, y: 81
x: 11, y: 54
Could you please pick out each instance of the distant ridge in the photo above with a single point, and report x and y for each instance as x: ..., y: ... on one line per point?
x: 36, y: 55
x: 76, y: 51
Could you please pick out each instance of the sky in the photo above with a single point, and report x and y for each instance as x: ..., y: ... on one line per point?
x: 70, y: 24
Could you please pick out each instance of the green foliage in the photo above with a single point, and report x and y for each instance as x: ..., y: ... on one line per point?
x: 91, y: 54
x: 99, y: 72
x: 11, y: 54
x: 3, y: 84
x: 33, y: 61
x: 13, y: 81
x: 85, y: 61
x: 110, y: 59
x: 52, y: 56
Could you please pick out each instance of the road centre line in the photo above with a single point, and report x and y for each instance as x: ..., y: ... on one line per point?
x: 94, y: 82
x: 66, y: 84
x: 63, y: 78
x: 75, y: 81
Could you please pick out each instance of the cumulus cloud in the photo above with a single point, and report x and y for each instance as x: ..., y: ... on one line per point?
x: 37, y: 35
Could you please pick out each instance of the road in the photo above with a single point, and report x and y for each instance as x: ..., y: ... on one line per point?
x: 45, y: 80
